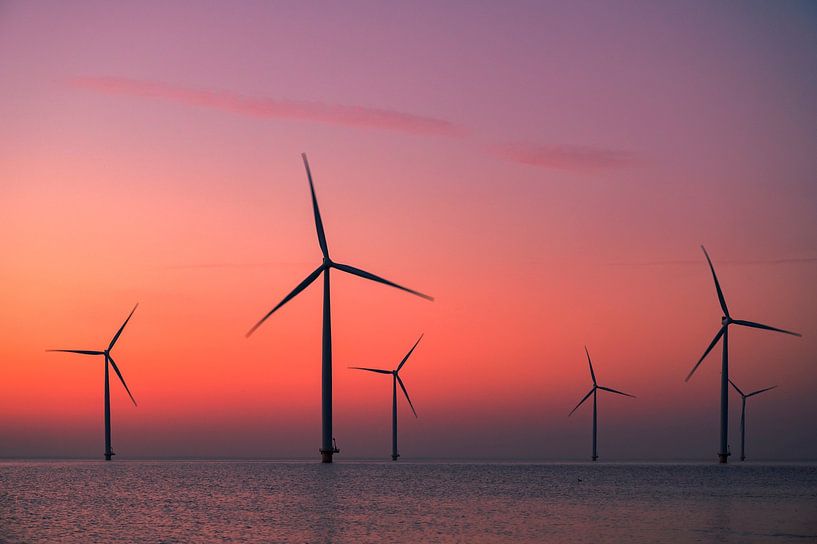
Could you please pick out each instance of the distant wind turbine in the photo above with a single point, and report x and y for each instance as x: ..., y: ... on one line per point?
x: 743, y: 415
x: 593, y: 391
x: 395, y: 374
x: 327, y: 446
x: 726, y: 320
x: 108, y: 359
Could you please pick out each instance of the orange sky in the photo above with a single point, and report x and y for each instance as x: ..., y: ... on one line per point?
x: 562, y: 204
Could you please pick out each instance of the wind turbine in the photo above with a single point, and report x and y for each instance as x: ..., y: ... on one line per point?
x: 593, y: 392
x: 395, y: 374
x: 726, y: 320
x: 327, y: 446
x: 108, y: 360
x: 743, y: 415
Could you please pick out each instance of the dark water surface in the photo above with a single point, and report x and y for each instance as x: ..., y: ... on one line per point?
x: 236, y: 501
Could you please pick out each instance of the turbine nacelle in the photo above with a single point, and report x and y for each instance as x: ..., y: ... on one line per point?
x: 107, y: 354
x: 327, y: 263
x: 727, y: 320
x: 596, y: 386
x: 395, y: 373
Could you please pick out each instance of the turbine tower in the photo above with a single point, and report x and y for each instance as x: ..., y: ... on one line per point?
x: 743, y: 415
x: 726, y: 320
x: 593, y: 392
x: 395, y: 374
x: 327, y: 445
x: 108, y: 360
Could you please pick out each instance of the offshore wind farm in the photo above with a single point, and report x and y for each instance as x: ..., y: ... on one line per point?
x: 547, y: 171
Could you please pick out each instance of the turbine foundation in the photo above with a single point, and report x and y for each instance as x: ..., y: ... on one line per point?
x: 722, y: 458
x: 326, y: 455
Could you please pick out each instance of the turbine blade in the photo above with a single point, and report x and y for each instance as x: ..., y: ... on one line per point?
x: 616, y: 392
x: 760, y: 391
x: 587, y: 396
x: 121, y: 379
x: 592, y: 374
x: 403, y: 387
x: 116, y: 336
x: 369, y: 276
x: 371, y: 369
x: 764, y: 327
x: 316, y: 211
x: 301, y: 286
x: 80, y: 351
x: 717, y: 284
x: 736, y: 387
x: 409, y: 354
x: 711, y: 345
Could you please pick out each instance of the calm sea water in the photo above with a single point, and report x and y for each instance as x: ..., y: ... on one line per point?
x: 226, y: 501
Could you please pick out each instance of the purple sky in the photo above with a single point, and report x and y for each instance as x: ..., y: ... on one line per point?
x: 546, y: 170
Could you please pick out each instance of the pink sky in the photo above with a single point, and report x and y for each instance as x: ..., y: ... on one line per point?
x: 546, y: 172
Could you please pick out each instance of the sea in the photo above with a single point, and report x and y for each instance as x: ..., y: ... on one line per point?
x: 429, y: 501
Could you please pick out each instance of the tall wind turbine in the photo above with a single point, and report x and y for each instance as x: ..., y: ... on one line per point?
x: 743, y: 415
x: 593, y: 392
x: 395, y: 374
x: 327, y: 446
x: 108, y: 360
x: 726, y: 320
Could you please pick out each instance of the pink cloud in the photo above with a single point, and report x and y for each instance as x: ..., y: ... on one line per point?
x: 565, y: 157
x: 557, y: 157
x: 270, y: 108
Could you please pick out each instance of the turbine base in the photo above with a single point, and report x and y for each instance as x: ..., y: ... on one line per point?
x: 326, y: 455
x: 394, y: 456
x: 595, y: 457
x: 723, y: 457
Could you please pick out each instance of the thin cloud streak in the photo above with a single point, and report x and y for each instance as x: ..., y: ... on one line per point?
x: 201, y: 266
x: 317, y: 112
x: 581, y: 159
x: 565, y: 157
x: 738, y: 262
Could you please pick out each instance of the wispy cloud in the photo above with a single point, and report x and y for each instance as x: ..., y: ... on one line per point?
x: 737, y: 262
x: 582, y: 159
x: 260, y: 264
x: 565, y: 157
x: 317, y: 112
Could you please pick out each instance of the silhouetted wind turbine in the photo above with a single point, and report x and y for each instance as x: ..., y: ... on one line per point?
x: 726, y: 320
x: 327, y: 446
x: 108, y: 359
x: 743, y: 398
x: 395, y: 374
x: 593, y: 391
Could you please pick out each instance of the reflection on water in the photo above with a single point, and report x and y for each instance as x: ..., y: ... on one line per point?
x: 405, y: 502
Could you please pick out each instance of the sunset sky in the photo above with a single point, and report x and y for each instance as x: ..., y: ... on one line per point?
x: 546, y: 171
